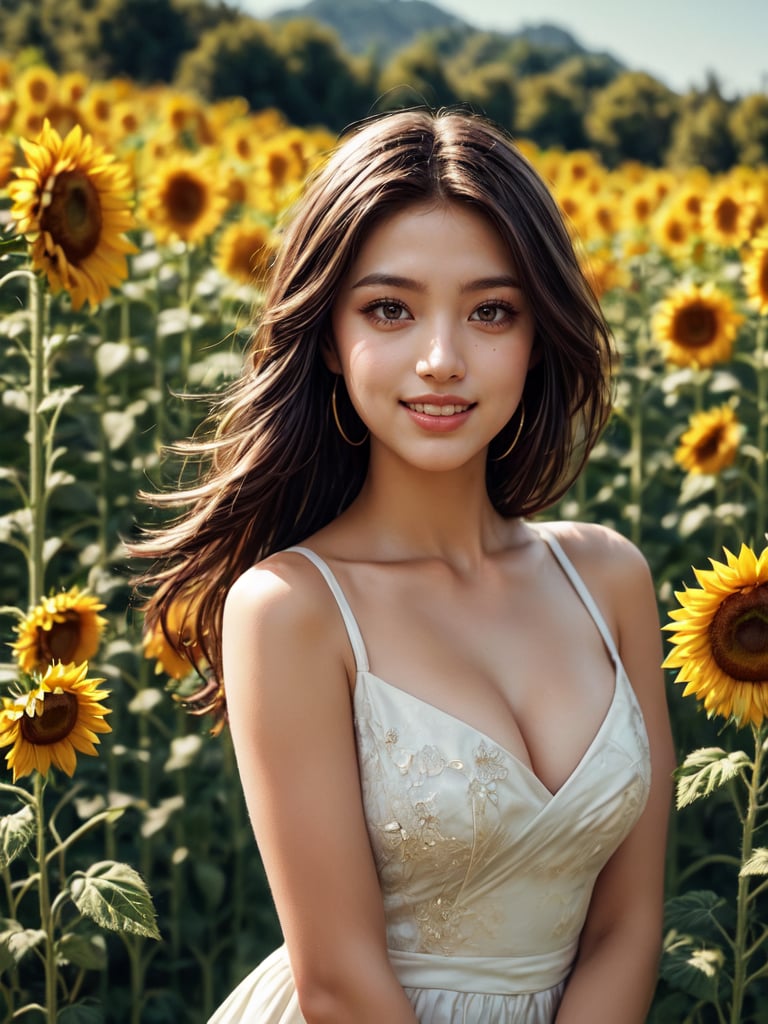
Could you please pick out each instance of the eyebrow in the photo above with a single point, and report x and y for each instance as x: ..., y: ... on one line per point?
x: 408, y: 283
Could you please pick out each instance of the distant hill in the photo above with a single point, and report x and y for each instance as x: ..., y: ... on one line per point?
x: 384, y: 26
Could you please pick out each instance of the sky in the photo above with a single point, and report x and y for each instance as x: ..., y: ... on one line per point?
x: 677, y: 41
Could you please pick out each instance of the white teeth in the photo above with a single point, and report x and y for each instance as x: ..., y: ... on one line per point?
x: 437, y: 410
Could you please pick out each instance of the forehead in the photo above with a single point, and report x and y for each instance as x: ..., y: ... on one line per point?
x: 435, y: 231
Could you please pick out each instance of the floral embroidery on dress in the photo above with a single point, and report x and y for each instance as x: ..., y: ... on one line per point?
x: 465, y: 847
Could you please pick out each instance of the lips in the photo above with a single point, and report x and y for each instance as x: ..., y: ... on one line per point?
x: 438, y: 405
x: 436, y: 410
x: 438, y: 413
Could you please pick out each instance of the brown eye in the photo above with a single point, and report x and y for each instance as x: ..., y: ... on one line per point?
x: 496, y: 313
x: 487, y: 313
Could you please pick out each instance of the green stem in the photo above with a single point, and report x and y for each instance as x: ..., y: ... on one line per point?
x: 636, y: 463
x: 702, y: 862
x: 37, y: 499
x: 740, y: 955
x: 242, y: 830
x: 145, y: 772
x: 158, y: 352
x: 185, y: 360
x: 719, y: 499
x: 46, y: 917
x: 134, y: 947
x: 761, y: 396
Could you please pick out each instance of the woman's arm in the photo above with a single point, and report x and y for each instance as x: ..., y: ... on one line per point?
x: 616, y: 970
x: 291, y: 720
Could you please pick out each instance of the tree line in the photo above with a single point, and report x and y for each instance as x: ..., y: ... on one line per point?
x: 553, y: 95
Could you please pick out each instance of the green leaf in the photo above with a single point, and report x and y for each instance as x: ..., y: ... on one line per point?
x: 757, y: 863
x: 86, y: 951
x: 118, y: 427
x: 116, y: 897
x: 693, y: 911
x: 81, y: 1013
x: 689, y: 965
x: 706, y: 770
x: 211, y: 881
x: 157, y: 818
x: 185, y: 750
x: 147, y: 700
x: 111, y: 356
x: 55, y: 399
x: 16, y: 832
x: 16, y: 942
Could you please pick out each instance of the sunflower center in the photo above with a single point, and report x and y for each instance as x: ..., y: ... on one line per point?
x: 58, y: 719
x: 739, y: 635
x: 709, y: 445
x: 727, y: 215
x: 73, y: 215
x: 695, y: 326
x: 60, y: 642
x: 763, y: 277
x: 186, y: 199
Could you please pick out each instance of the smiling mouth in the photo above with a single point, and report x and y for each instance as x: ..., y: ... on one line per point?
x: 437, y: 410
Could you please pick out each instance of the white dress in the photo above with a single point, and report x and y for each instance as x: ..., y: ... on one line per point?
x: 486, y: 875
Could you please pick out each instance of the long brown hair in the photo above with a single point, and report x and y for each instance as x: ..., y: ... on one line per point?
x: 274, y: 468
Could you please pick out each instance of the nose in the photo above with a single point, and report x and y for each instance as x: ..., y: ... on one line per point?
x: 442, y: 360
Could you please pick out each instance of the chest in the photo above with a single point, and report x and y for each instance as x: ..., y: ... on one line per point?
x: 521, y: 660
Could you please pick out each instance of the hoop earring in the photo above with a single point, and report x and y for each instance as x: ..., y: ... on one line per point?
x: 355, y: 444
x: 518, y: 432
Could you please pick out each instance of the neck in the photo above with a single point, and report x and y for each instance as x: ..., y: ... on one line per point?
x: 413, y: 513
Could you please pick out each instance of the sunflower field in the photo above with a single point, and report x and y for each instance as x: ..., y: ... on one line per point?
x: 137, y: 227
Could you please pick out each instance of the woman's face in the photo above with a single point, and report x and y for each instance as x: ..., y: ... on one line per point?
x: 433, y: 335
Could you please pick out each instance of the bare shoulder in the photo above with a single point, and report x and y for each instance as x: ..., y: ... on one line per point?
x: 283, y: 608
x: 618, y: 577
x: 285, y: 589
x: 602, y: 554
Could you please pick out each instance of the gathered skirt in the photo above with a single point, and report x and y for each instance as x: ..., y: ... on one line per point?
x: 268, y: 996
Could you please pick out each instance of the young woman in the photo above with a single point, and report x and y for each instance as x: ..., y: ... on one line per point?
x: 449, y: 718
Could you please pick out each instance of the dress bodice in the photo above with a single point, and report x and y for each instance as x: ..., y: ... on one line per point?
x: 486, y: 875
x: 476, y: 857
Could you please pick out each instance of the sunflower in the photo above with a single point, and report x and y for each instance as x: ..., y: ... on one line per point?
x: 36, y: 87
x: 176, y: 649
x: 603, y: 272
x: 65, y: 628
x: 600, y: 217
x: 696, y: 325
x: 7, y: 110
x: 673, y: 229
x: 7, y: 159
x: 53, y: 721
x: 73, y: 86
x: 187, y: 120
x: 572, y: 205
x: 690, y: 198
x: 638, y: 206
x: 244, y: 251
x: 578, y: 165
x: 711, y: 441
x: 721, y: 637
x: 756, y: 274
x: 725, y: 215
x: 72, y: 202
x: 185, y: 199
x: 63, y: 116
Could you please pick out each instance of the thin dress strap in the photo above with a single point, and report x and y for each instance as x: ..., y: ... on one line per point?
x: 350, y: 622
x: 580, y: 587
